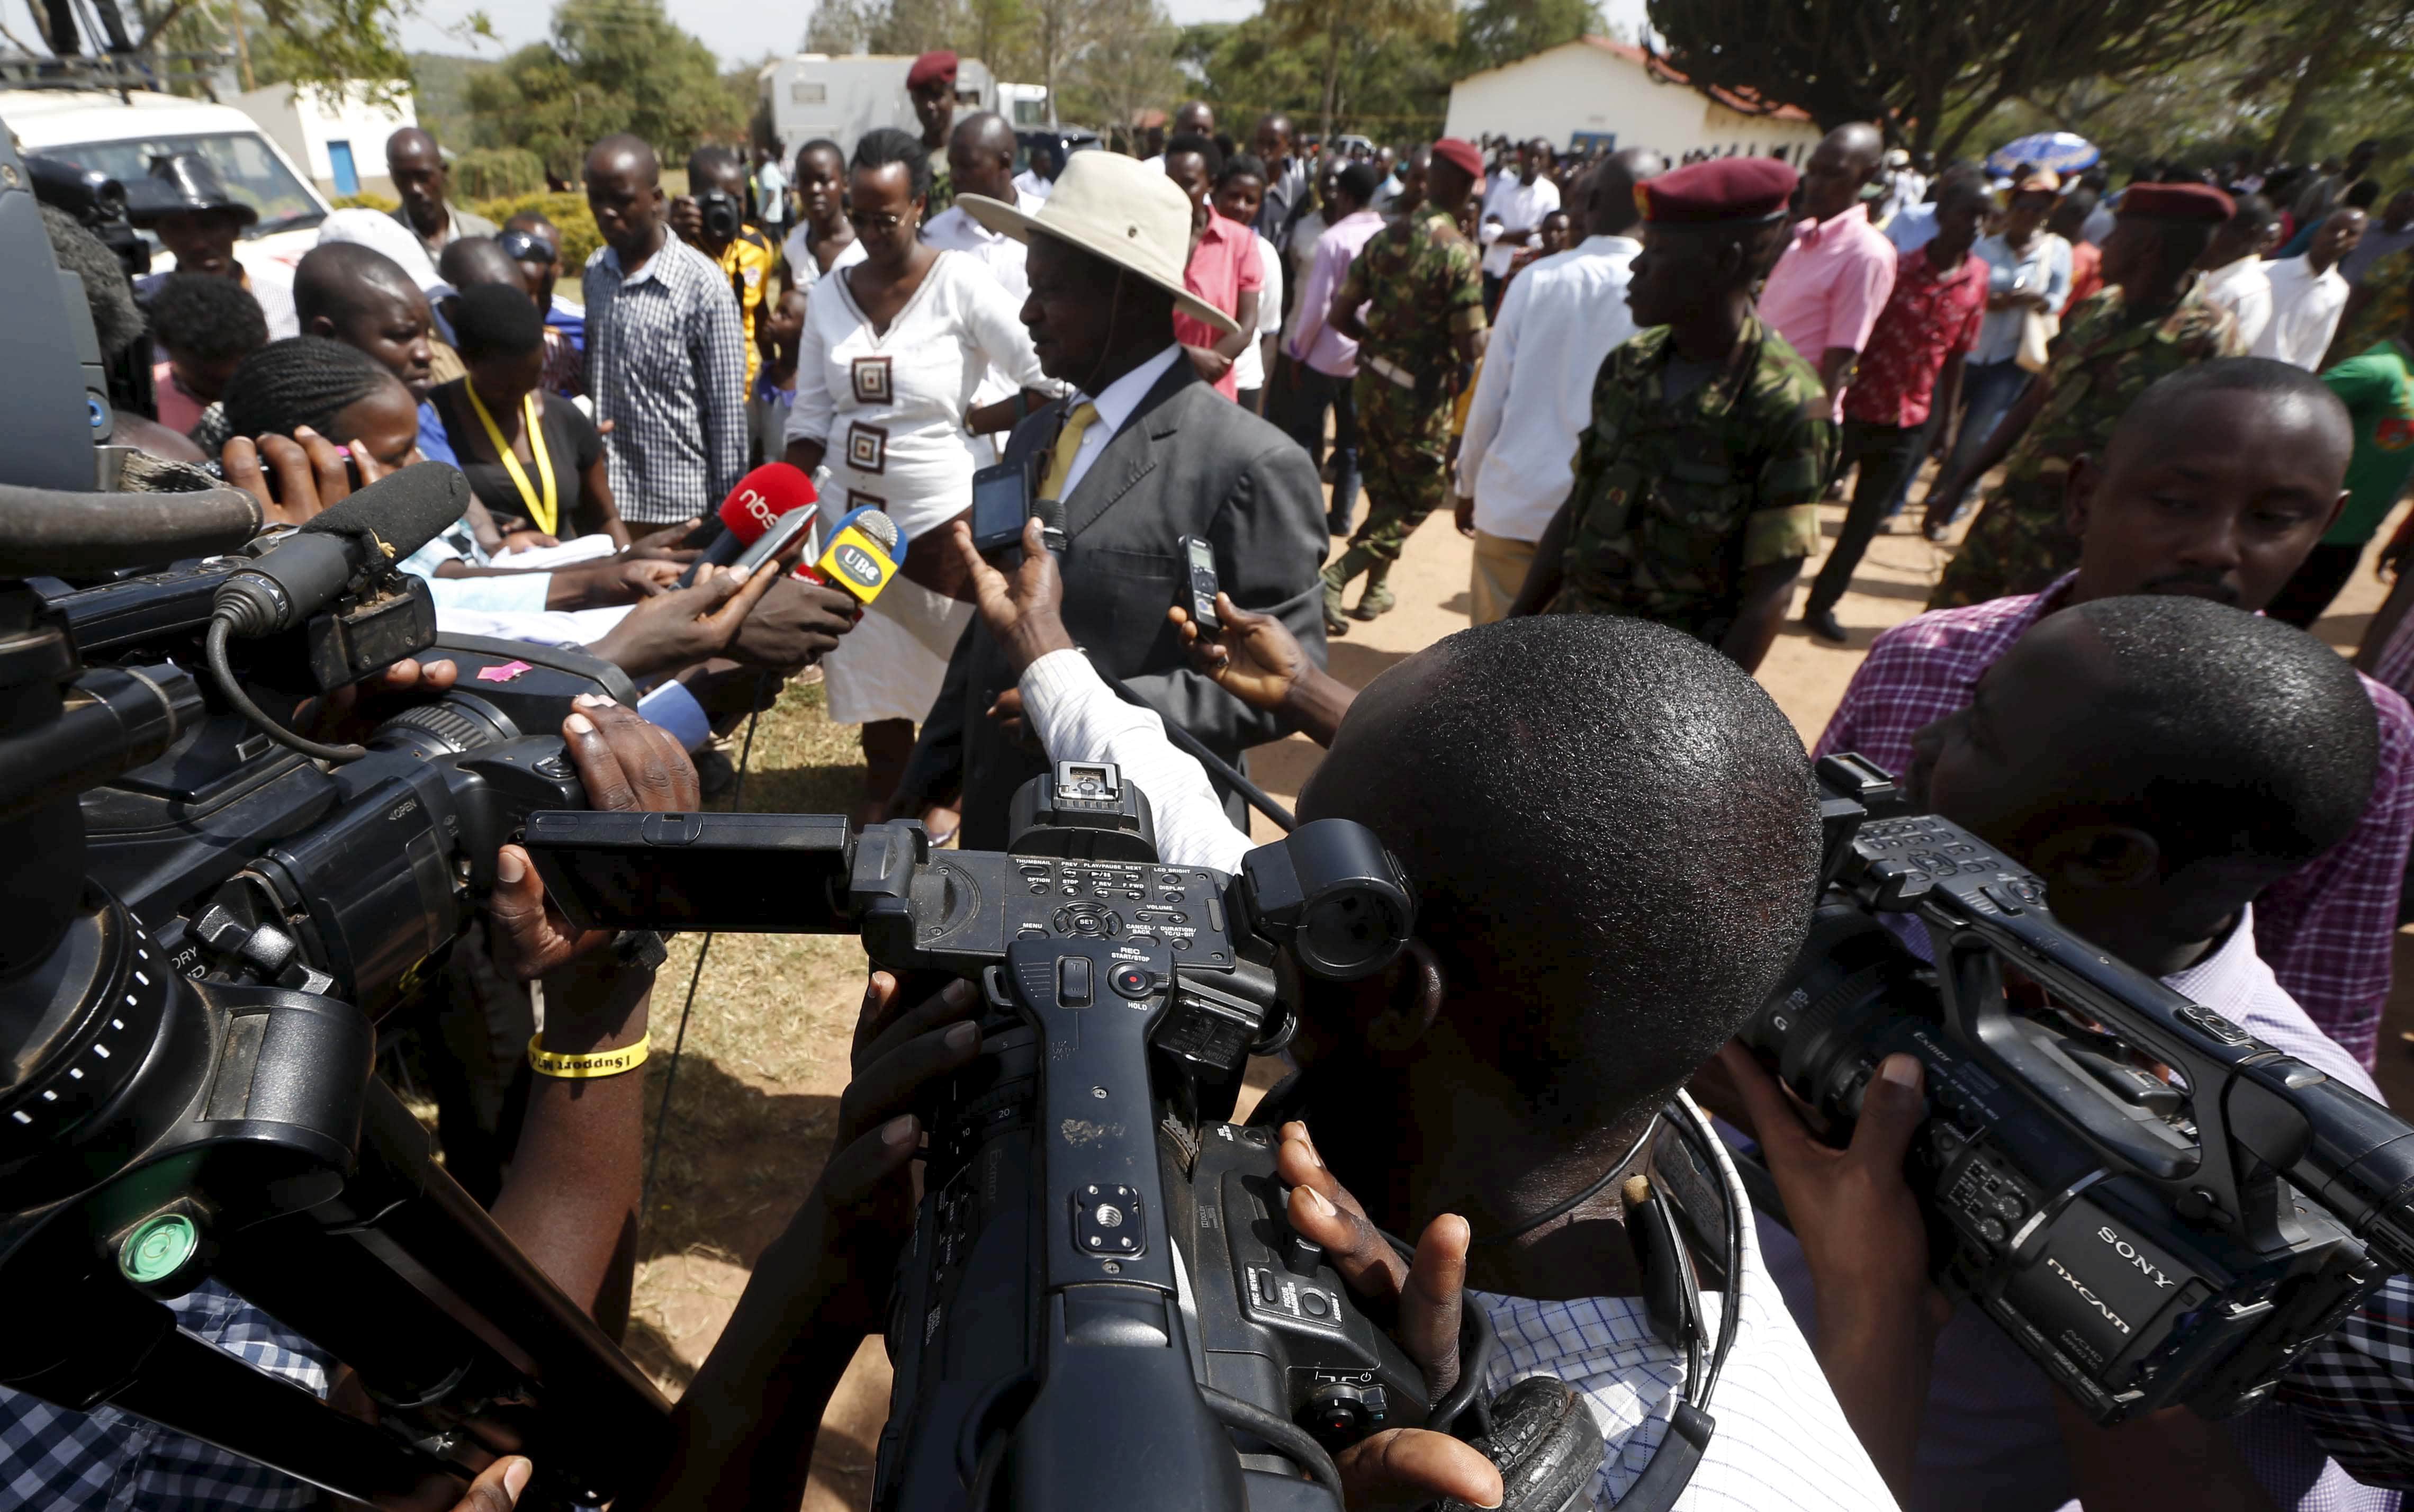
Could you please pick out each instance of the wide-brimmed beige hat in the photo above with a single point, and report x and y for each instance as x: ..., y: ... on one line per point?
x: 1117, y: 208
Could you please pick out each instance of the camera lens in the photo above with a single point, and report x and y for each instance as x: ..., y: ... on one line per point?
x: 1852, y: 974
x: 452, y: 725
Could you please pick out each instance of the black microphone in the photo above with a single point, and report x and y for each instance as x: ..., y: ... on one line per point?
x: 369, y: 533
x: 1050, y: 514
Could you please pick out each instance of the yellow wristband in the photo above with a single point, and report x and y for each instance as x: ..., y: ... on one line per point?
x: 583, y: 1068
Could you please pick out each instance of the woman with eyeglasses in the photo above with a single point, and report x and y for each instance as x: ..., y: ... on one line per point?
x: 890, y: 355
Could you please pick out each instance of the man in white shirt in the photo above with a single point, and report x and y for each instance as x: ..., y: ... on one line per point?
x: 1533, y: 396
x: 1513, y: 208
x: 2309, y: 294
x: 770, y: 191
x: 2236, y: 278
x: 1038, y: 181
x: 1527, y: 714
x: 980, y: 160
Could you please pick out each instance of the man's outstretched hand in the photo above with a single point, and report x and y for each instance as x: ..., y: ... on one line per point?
x: 1257, y: 659
x: 1400, y: 1467
x: 1025, y: 613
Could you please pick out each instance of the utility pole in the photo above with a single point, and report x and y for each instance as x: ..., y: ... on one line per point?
x: 242, y: 50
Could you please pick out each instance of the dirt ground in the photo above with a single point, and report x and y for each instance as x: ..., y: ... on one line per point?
x: 765, y: 1052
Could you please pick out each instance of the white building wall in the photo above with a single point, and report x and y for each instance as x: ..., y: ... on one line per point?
x: 1580, y: 87
x: 302, y: 124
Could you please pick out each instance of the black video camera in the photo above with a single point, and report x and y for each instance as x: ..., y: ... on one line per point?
x: 1103, y: 1304
x: 2149, y: 1240
x: 723, y: 213
x: 250, y: 862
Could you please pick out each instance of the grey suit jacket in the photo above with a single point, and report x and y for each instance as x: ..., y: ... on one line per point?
x: 1188, y: 462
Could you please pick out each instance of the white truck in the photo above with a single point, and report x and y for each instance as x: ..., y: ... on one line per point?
x: 120, y: 135
x: 816, y: 94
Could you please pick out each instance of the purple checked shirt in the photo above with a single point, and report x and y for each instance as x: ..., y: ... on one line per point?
x: 2326, y: 931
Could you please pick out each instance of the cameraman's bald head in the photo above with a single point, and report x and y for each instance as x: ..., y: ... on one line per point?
x: 1614, y: 836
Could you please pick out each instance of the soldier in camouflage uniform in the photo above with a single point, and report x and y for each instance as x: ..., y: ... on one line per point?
x: 1421, y: 283
x: 2151, y: 319
x: 1698, y: 484
x: 930, y: 84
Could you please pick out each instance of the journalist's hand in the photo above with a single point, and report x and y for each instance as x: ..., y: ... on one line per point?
x: 348, y: 714
x: 497, y: 1487
x: 1253, y: 657
x: 294, y: 477
x: 685, y: 625
x: 1401, y: 1467
x: 796, y: 624
x: 861, y: 1211
x: 626, y: 765
x: 664, y: 544
x: 687, y: 217
x: 1856, y: 1217
x: 1024, y: 613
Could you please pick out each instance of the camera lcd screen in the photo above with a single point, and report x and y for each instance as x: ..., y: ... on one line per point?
x: 736, y: 873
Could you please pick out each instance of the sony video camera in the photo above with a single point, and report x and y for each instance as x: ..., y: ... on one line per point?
x: 2149, y: 1239
x: 1103, y: 1304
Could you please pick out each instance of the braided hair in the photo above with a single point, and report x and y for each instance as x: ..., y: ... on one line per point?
x: 301, y: 380
x: 889, y: 145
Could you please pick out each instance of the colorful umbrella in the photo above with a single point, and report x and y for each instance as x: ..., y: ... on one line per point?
x: 2062, y: 151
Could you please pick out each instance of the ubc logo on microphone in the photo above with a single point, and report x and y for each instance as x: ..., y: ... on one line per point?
x: 857, y: 564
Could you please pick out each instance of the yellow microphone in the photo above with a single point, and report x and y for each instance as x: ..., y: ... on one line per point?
x: 862, y: 556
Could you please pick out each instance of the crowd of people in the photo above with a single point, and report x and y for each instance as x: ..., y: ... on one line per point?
x: 1635, y: 383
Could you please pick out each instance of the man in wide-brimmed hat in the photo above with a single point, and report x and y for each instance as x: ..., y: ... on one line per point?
x: 184, y: 203
x: 1140, y: 454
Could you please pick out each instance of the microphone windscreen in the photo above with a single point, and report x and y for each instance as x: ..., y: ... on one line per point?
x: 764, y: 495
x: 878, y: 525
x: 399, y: 514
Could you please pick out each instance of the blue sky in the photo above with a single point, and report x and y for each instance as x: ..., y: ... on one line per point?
x: 745, y: 29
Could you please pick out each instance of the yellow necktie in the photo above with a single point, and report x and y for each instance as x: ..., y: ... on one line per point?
x: 1068, y: 445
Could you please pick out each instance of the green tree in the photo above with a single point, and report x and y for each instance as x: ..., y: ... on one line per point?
x: 1494, y: 32
x: 1929, y: 70
x: 1130, y: 66
x: 1394, y: 88
x: 611, y: 66
x: 1336, y: 31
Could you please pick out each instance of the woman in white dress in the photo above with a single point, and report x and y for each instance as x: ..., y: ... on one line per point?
x: 892, y: 351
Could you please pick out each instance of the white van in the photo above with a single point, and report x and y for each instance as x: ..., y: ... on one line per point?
x: 119, y: 135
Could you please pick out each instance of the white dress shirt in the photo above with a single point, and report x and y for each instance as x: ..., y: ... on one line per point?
x: 1115, y: 404
x: 954, y: 230
x: 1249, y: 367
x: 2244, y: 288
x: 2305, y: 310
x: 1079, y: 718
x: 1511, y: 205
x: 1031, y: 184
x: 1533, y: 398
x: 1782, y: 1440
x: 1989, y: 1438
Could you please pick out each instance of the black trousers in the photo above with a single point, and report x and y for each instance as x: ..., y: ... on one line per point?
x: 1298, y: 403
x: 1889, y: 456
x: 2317, y: 581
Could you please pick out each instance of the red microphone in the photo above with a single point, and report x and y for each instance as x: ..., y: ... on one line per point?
x: 760, y: 499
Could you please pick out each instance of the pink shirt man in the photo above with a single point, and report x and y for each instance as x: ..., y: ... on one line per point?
x: 1222, y: 266
x: 1830, y: 287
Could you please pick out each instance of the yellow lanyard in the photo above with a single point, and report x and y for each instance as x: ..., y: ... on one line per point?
x: 544, y: 511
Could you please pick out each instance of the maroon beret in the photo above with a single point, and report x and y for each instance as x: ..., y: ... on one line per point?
x: 1721, y: 191
x: 930, y: 67
x: 2177, y: 201
x: 1458, y: 150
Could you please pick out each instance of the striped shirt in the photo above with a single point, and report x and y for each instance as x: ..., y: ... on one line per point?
x: 666, y: 368
x: 2326, y: 930
x: 1782, y: 1440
